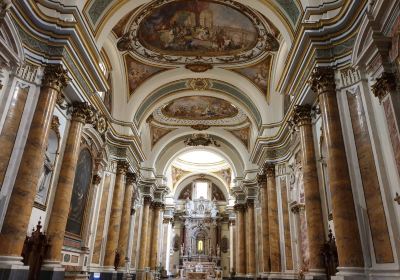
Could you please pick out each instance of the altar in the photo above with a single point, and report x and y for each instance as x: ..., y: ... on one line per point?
x: 196, y: 275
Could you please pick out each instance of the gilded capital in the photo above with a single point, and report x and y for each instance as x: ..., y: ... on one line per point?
x: 158, y: 205
x: 261, y: 179
x: 250, y: 202
x: 147, y: 200
x: 82, y: 112
x: 122, y: 167
x: 384, y: 85
x: 96, y: 179
x: 322, y: 80
x: 55, y: 76
x: 239, y: 207
x: 270, y: 170
x: 130, y: 178
x: 302, y: 115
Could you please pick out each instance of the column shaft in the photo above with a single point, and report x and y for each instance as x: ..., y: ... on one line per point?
x: 156, y: 234
x: 262, y: 181
x: 150, y: 234
x: 344, y: 215
x: 125, y: 220
x: 19, y: 209
x: 114, y: 225
x: 251, y: 240
x: 10, y: 128
x: 241, y: 242
x: 314, y: 217
x: 273, y: 222
x: 144, y: 233
x: 62, y: 198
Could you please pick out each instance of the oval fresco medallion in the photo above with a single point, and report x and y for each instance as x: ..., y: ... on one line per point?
x: 199, y: 108
x: 198, y: 31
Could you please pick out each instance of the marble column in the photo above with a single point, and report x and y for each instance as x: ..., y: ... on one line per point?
x: 273, y: 220
x: 20, y: 205
x: 150, y: 234
x: 81, y: 113
x: 262, y: 182
x: 314, y: 218
x: 344, y: 215
x: 11, y: 126
x: 125, y: 220
x: 114, y: 225
x: 144, y: 234
x: 240, y: 241
x: 250, y: 240
x: 156, y: 234
x: 136, y: 237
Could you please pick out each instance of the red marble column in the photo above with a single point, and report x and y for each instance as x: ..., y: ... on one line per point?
x: 11, y: 126
x: 344, y: 214
x: 262, y: 182
x: 125, y: 219
x: 273, y: 220
x: 19, y: 209
x: 240, y: 241
x: 314, y: 218
x: 250, y: 240
x: 82, y: 112
x: 114, y: 225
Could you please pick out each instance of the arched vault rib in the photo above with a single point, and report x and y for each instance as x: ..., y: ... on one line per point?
x: 182, y: 183
x: 235, y: 153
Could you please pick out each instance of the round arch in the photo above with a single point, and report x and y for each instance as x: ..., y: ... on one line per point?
x: 185, y: 180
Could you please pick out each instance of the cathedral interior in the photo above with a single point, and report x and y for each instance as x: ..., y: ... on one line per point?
x: 199, y: 139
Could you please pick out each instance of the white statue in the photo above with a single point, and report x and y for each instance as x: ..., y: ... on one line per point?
x: 188, y: 206
x: 214, y: 210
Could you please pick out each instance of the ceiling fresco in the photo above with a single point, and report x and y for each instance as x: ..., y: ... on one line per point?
x: 189, y: 27
x: 218, y: 32
x: 259, y: 74
x: 138, y: 72
x: 199, y: 108
x: 158, y: 132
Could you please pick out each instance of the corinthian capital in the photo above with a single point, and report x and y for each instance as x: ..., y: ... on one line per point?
x: 384, y: 85
x: 122, y: 166
x: 55, y: 76
x: 261, y: 179
x: 130, y: 178
x: 83, y: 112
x: 323, y: 80
x: 301, y: 115
x: 270, y: 170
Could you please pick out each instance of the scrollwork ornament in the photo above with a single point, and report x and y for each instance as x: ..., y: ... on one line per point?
x: 322, y: 80
x: 101, y: 124
x: 384, y: 85
x: 55, y: 76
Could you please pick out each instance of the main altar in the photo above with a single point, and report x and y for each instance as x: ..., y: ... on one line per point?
x: 200, y: 254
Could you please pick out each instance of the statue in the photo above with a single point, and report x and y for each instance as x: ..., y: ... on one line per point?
x: 182, y: 250
x: 188, y: 206
x: 214, y: 209
x: 218, y: 251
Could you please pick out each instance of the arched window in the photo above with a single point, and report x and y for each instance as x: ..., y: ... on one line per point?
x: 80, y: 191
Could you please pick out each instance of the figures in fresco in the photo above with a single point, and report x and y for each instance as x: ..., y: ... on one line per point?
x: 189, y: 26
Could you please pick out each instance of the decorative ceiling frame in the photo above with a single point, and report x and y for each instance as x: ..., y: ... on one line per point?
x: 264, y: 43
x: 186, y: 85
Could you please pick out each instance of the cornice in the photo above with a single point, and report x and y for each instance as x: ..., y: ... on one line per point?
x: 335, y: 30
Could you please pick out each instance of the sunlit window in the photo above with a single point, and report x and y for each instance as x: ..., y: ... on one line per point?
x: 200, y: 246
x: 201, y: 190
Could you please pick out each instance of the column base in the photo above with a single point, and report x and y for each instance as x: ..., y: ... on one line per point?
x: 240, y: 277
x: 52, y: 273
x: 350, y: 273
x: 281, y: 276
x: 376, y: 274
x: 317, y: 274
x: 12, y: 268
